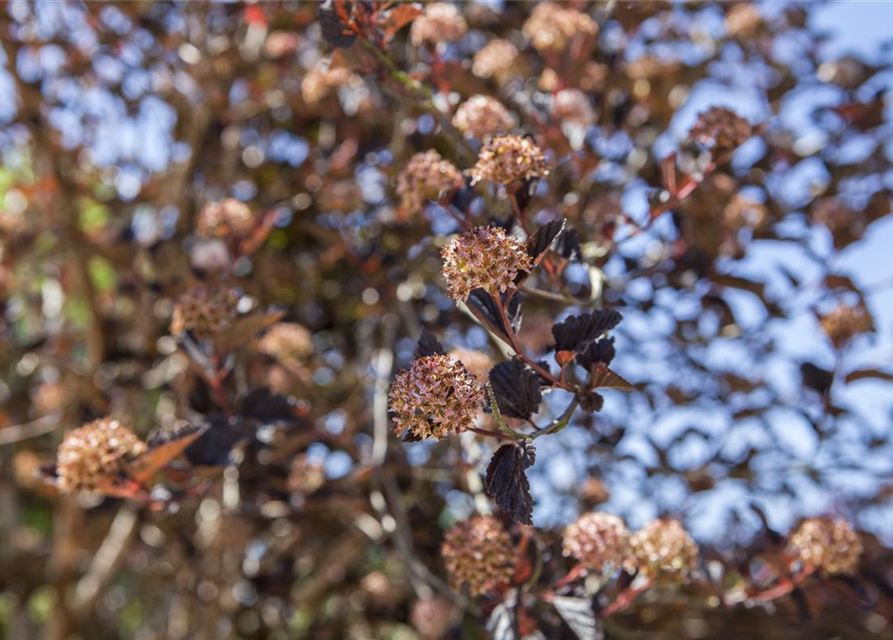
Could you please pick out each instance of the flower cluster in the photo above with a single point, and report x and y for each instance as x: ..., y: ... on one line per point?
x: 483, y: 258
x: 510, y: 158
x: 425, y: 178
x: 828, y: 544
x: 287, y: 342
x: 482, y: 116
x: 720, y: 129
x: 662, y: 550
x: 478, y: 552
x: 204, y: 310
x: 552, y: 27
x: 596, y: 540
x: 495, y: 59
x: 572, y: 105
x: 845, y: 322
x: 435, y: 397
x: 95, y: 452
x: 442, y: 22
x: 227, y: 218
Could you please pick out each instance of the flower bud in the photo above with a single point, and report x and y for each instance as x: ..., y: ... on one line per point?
x: 482, y: 116
x: 441, y: 22
x: 204, y: 310
x: 425, y: 178
x: 227, y: 218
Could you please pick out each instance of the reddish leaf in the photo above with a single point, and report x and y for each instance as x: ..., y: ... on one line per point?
x: 244, y: 329
x: 604, y: 378
x: 399, y: 17
x: 147, y: 465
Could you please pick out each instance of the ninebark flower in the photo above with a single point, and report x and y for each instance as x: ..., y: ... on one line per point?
x: 827, y: 544
x: 662, y: 550
x: 482, y: 116
x: 510, y: 158
x: 478, y: 552
x: 425, y: 178
x: 483, y: 258
x: 95, y: 452
x: 596, y: 540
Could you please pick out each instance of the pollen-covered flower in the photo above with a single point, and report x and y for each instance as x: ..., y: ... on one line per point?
x: 287, y: 342
x: 846, y: 322
x: 662, y: 550
x: 227, y: 218
x: 425, y: 178
x: 827, y: 544
x: 95, y: 452
x: 597, y: 539
x: 478, y: 552
x: 720, y: 129
x: 482, y: 116
x: 483, y: 258
x: 435, y: 397
x: 494, y: 59
x: 572, y: 105
x: 510, y: 158
x: 552, y: 26
x: 204, y: 310
x: 442, y: 22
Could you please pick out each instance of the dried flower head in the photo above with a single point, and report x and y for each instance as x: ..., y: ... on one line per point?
x: 478, y: 552
x: 482, y: 116
x: 475, y: 362
x: 846, y: 322
x: 662, y: 550
x: 483, y: 258
x: 305, y: 476
x: 227, y: 218
x: 495, y: 59
x: 442, y: 22
x: 204, y: 310
x: 827, y: 544
x: 95, y: 452
x: 435, y: 397
x: 597, y: 539
x: 720, y: 129
x: 287, y: 342
x: 510, y: 158
x: 552, y: 26
x: 572, y: 105
x: 425, y: 178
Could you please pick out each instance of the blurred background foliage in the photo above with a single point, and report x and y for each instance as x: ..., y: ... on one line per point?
x: 758, y: 309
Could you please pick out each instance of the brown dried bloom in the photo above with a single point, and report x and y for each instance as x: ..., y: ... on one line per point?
x: 425, y: 177
x: 495, y: 59
x: 475, y: 362
x: 572, y: 105
x: 478, y: 552
x: 552, y: 26
x: 845, y: 322
x: 95, y: 452
x: 225, y: 218
x: 287, y: 342
x: 435, y: 397
x: 204, y: 310
x: 483, y: 116
x: 483, y: 258
x: 827, y: 544
x: 720, y: 129
x: 597, y: 539
x: 442, y: 22
x: 507, y: 159
x: 662, y: 550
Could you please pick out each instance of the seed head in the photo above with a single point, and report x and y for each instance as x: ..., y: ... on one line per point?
x: 95, y: 452
x: 483, y: 258
x: 597, y: 539
x: 552, y: 27
x: 442, y: 22
x: 425, y: 178
x: 227, y: 218
x: 846, y: 322
x: 662, y: 550
x: 204, y: 310
x: 287, y: 342
x: 482, y: 116
x: 495, y: 59
x: 720, y: 129
x: 478, y: 552
x: 828, y: 544
x: 510, y: 158
x: 435, y: 397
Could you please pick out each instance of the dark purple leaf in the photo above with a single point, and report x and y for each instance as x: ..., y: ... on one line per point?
x: 601, y: 351
x: 333, y: 20
x: 544, y: 238
x: 568, y: 245
x: 577, y: 332
x: 517, y: 389
x: 590, y: 401
x: 484, y: 308
x: 429, y: 345
x: 506, y: 480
